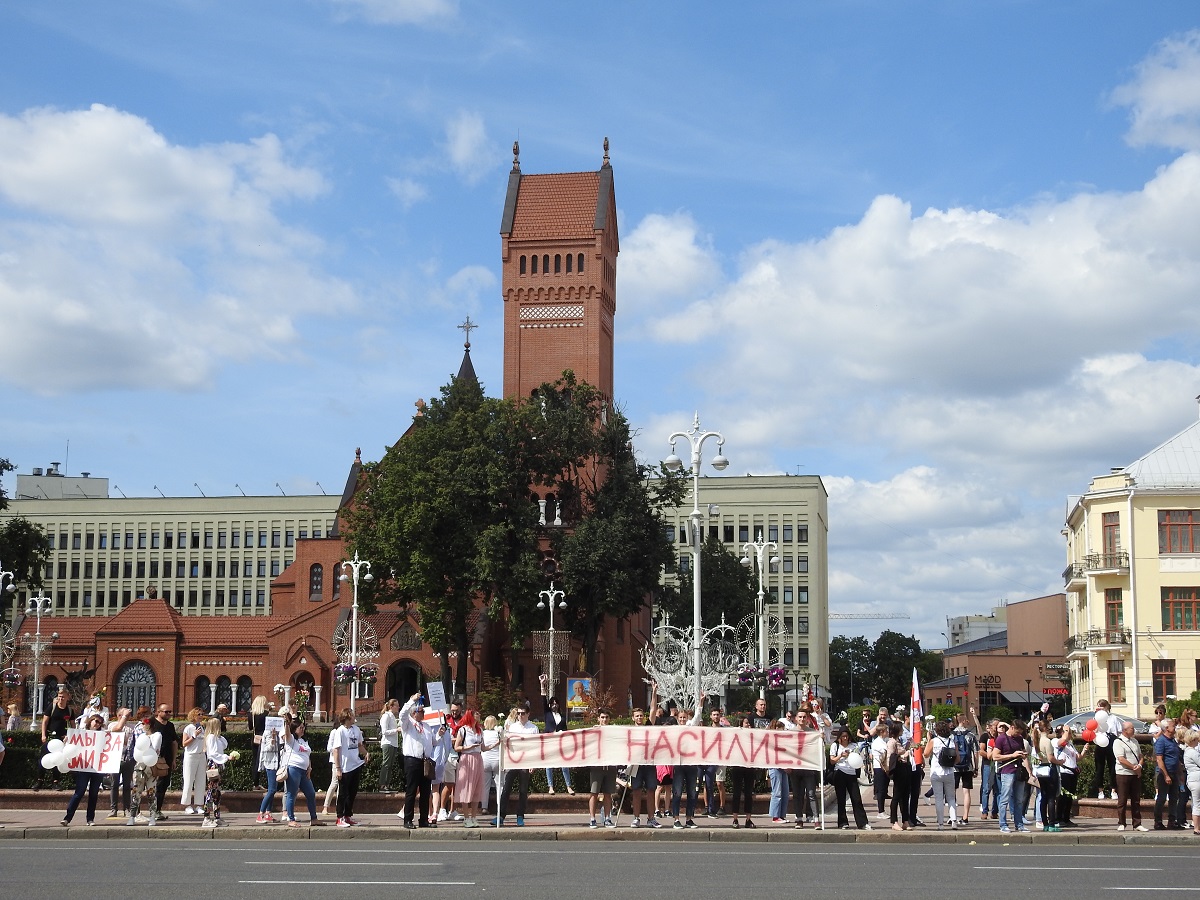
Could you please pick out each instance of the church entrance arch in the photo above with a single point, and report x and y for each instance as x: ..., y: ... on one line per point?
x: 404, y: 678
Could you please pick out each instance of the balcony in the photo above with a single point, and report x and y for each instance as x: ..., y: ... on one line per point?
x: 1098, y: 639
x: 1074, y: 577
x: 1106, y: 562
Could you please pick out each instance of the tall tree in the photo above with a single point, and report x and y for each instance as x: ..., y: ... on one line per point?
x: 895, y: 656
x: 726, y: 588
x: 24, y: 546
x: 851, y: 670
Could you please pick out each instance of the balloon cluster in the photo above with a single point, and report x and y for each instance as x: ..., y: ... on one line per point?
x: 57, y: 756
x: 143, y: 751
x: 854, y: 760
x: 1095, y: 730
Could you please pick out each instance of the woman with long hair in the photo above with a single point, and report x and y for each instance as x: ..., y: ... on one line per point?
x: 490, y: 757
x: 299, y: 772
x: 268, y: 753
x: 941, y: 775
x: 845, y: 781
x: 899, y: 775
x: 194, y: 763
x: 1068, y: 774
x: 55, y: 723
x: 258, y: 724
x: 144, y: 779
x: 86, y: 782
x: 468, y: 785
x: 215, y: 745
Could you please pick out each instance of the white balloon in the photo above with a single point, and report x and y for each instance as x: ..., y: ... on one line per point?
x: 1101, y: 718
x: 64, y: 765
x: 54, y: 746
x: 142, y: 742
x: 50, y: 760
x: 854, y: 760
x: 1101, y: 739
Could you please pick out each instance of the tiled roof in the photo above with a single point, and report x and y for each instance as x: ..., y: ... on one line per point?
x: 561, y: 205
x: 143, y: 616
x: 1172, y: 464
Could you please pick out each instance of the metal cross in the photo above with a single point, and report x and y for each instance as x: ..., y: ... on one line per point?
x: 467, y: 327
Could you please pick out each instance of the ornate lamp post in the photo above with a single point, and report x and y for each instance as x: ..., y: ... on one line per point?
x: 39, y: 648
x: 673, y: 463
x: 760, y: 548
x: 548, y: 599
x: 355, y: 566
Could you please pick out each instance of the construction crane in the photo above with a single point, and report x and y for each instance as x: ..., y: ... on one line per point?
x: 868, y: 615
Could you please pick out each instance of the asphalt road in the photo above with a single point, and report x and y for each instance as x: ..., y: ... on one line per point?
x: 539, y: 870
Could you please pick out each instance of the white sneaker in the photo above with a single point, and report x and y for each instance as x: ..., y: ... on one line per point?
x: 1114, y: 795
x: 1142, y: 828
x: 1100, y: 796
x: 456, y: 816
x: 442, y: 815
x: 1120, y: 828
x: 153, y: 820
x: 881, y: 815
x: 189, y: 811
x: 1038, y: 825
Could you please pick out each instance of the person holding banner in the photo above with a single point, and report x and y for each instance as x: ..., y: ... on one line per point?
x: 743, y: 786
x: 86, y: 782
x: 518, y: 723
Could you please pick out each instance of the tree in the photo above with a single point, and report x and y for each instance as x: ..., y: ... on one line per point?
x: 726, y: 588
x: 894, y: 657
x: 24, y: 546
x: 851, y: 670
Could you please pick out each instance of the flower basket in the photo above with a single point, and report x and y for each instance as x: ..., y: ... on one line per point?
x: 10, y: 678
x: 776, y: 677
x: 345, y: 673
x: 368, y: 674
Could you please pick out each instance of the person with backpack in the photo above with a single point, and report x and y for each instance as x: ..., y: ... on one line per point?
x: 943, y: 757
x: 966, y: 742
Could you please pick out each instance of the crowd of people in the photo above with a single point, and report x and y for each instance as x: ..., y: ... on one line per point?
x: 1018, y: 774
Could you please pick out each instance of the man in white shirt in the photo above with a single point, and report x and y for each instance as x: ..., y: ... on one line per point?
x: 417, y: 745
x: 389, y: 743
x: 521, y: 726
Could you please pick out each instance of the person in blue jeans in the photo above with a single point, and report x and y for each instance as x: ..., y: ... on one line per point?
x: 1012, y: 760
x: 299, y: 773
x: 989, y: 789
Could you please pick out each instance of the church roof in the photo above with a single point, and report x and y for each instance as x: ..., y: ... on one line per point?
x: 1175, y: 463
x: 144, y: 616
x: 555, y: 206
x: 466, y: 372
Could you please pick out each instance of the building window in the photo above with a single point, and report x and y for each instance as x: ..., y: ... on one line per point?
x: 75, y: 541
x: 154, y: 568
x: 743, y: 534
x: 194, y: 570
x: 787, y: 564
x: 802, y: 625
x: 316, y: 582
x: 195, y: 540
x: 669, y: 533
x: 208, y: 540
x: 87, y: 599
x: 182, y: 542
x: 545, y: 263
x: 192, y: 598
x: 90, y: 541
x: 275, y: 539
x: 249, y: 539
x: 262, y: 568
x: 155, y: 540
x: 220, y: 568
x: 169, y: 540
x: 1163, y: 673
x: 570, y: 262
x: 127, y: 568
x: 114, y: 568
x: 802, y: 595
x: 801, y: 563
x: 683, y: 534
x: 103, y: 541
x: 87, y: 569
x: 713, y: 532
x: 247, y: 568
x: 129, y: 540
x: 220, y: 598
x: 304, y: 534
x: 557, y: 263
x: 222, y: 539
x: 62, y: 540
x: 579, y: 263
x: 274, y: 568
x: 1111, y: 528
x: 262, y: 539
x: 727, y: 534
x: 772, y: 532
x: 533, y: 261
x: 802, y: 534
x: 235, y: 539
x: 685, y: 565
x: 180, y: 567
x: 141, y: 568
x: 141, y: 540
x: 316, y: 533
x: 787, y: 595
x: 523, y: 266
x: 260, y: 597
x: 1180, y: 609
x: 802, y: 658
x: 206, y: 598
x: 208, y: 568
x: 289, y: 538
x: 62, y: 569
x: 1116, y: 680
x: 1178, y: 531
x: 788, y: 655
x: 1114, y: 617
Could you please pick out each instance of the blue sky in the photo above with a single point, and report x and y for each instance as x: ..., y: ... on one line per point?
x: 944, y: 255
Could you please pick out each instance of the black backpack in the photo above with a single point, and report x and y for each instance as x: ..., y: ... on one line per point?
x: 947, y: 756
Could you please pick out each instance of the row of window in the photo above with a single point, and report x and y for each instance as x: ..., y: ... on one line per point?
x: 724, y: 533
x: 1162, y: 679
x: 800, y: 564
x: 169, y: 540
x: 68, y: 600
x: 115, y: 568
x: 529, y: 265
x: 1180, y: 608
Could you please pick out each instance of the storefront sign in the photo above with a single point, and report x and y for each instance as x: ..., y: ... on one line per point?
x: 990, y: 682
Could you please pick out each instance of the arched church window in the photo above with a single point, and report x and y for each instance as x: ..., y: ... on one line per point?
x: 557, y: 263
x: 580, y: 258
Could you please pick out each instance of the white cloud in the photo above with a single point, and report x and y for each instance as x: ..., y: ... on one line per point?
x: 468, y: 147
x: 466, y: 286
x: 134, y: 262
x: 1164, y: 95
x: 407, y: 191
x: 397, y: 12
x: 664, y: 259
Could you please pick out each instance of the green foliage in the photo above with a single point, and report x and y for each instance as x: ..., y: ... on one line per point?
x: 727, y: 588
x: 24, y: 550
x: 5, y: 466
x: 494, y: 698
x: 881, y: 671
x: 1003, y: 713
x: 851, y: 674
x: 1176, y: 707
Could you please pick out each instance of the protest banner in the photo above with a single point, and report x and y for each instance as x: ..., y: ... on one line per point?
x: 437, y: 696
x: 94, y: 751
x: 617, y: 745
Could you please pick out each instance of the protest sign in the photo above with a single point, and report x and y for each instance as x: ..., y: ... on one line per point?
x: 94, y: 751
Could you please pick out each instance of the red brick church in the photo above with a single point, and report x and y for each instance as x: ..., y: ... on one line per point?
x: 559, y: 250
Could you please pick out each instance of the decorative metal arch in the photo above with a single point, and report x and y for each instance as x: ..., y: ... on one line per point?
x: 136, y: 686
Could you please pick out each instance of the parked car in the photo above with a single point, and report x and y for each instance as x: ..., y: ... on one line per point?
x: 1079, y: 719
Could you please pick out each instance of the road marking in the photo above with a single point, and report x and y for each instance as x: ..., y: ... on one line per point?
x: 340, y: 882
x: 1024, y: 868
x: 335, y: 862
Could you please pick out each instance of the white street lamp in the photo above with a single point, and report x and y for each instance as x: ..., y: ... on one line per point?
x: 5, y: 574
x: 355, y: 565
x: 38, y: 647
x: 696, y: 533
x: 760, y: 548
x: 548, y: 600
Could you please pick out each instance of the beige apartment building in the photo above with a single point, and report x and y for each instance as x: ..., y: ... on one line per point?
x: 205, y: 555
x: 1133, y: 581
x: 792, y: 511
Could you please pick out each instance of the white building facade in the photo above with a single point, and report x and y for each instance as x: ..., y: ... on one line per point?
x: 1133, y: 581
